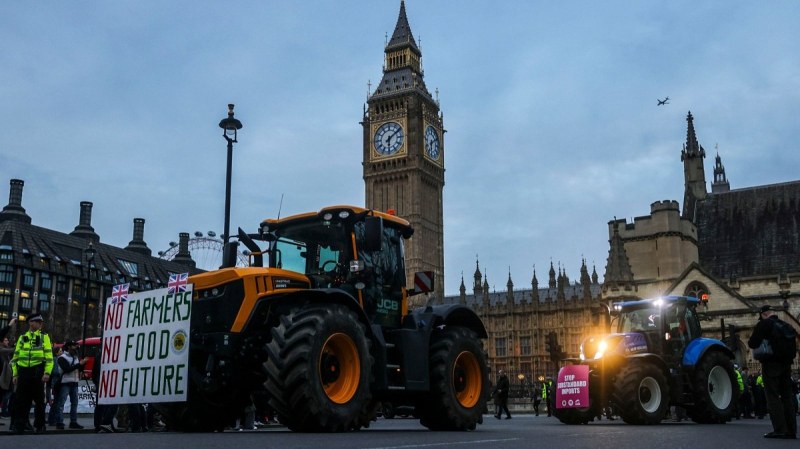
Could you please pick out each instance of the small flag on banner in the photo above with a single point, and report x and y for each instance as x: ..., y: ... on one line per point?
x: 119, y: 293
x: 177, y: 283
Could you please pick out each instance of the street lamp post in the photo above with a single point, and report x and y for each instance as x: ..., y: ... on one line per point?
x: 229, y: 127
x: 89, y: 252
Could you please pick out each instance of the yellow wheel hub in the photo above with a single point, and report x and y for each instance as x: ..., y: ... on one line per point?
x: 467, y: 379
x: 340, y: 368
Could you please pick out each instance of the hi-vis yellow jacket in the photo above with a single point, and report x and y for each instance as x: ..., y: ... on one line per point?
x: 33, y: 349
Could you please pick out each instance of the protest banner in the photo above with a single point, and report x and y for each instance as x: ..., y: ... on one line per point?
x: 572, y: 388
x: 145, y: 349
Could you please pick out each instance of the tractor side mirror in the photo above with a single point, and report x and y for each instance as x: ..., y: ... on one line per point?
x: 373, y: 233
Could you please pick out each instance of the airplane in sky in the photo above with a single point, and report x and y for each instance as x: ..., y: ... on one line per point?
x: 662, y: 102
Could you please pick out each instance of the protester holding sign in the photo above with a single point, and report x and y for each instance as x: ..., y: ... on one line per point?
x: 71, y: 367
x: 777, y: 345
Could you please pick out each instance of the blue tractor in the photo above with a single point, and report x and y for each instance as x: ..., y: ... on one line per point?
x: 656, y: 358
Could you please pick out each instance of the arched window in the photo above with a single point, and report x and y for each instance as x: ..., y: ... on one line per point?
x: 696, y: 289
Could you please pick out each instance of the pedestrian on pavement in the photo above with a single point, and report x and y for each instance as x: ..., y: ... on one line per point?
x: 6, y: 353
x: 746, y: 398
x: 502, y: 395
x: 537, y: 398
x: 777, y: 371
x: 103, y: 413
x: 53, y: 387
x: 547, y: 394
x: 71, y: 368
x: 31, y: 367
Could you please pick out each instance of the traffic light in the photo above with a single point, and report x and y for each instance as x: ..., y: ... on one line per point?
x: 548, y: 343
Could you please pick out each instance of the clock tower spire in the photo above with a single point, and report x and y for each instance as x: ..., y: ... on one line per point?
x: 403, y: 155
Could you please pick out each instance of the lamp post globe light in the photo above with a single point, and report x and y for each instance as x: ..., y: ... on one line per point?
x: 89, y: 253
x: 229, y: 126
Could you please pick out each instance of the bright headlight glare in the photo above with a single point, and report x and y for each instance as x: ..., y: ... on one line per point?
x: 601, y: 349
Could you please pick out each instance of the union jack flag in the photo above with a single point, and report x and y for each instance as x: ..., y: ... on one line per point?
x: 177, y: 283
x: 119, y: 293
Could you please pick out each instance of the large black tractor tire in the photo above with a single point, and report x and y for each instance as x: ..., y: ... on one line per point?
x: 458, y: 380
x: 716, y: 390
x: 641, y: 393
x: 318, y: 370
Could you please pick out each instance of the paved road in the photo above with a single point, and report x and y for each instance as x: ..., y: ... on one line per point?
x: 523, y: 431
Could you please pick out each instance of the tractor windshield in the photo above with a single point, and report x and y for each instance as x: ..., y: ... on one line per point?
x: 640, y: 319
x: 310, y: 248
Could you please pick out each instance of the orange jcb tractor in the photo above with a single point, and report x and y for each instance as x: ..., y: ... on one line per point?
x: 323, y: 333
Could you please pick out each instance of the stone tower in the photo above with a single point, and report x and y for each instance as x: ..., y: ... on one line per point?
x: 404, y: 153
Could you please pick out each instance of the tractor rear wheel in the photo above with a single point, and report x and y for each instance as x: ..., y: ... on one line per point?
x: 715, y: 389
x: 458, y: 376
x: 641, y: 393
x: 318, y: 370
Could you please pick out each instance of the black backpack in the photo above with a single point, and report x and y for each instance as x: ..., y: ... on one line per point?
x: 783, y: 341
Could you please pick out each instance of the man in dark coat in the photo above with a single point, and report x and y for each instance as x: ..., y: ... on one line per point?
x: 502, y: 395
x: 777, y: 372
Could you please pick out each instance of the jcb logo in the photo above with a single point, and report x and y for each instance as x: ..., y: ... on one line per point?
x: 388, y: 304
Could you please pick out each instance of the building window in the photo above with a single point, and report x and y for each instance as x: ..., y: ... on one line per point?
x: 525, y: 345
x: 5, y: 298
x: 27, y: 278
x: 131, y: 267
x: 46, y: 283
x: 696, y: 290
x: 26, y: 301
x: 44, y: 302
x: 500, y: 347
x: 6, y: 274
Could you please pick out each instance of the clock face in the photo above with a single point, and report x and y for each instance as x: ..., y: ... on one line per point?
x: 388, y: 138
x: 432, y: 142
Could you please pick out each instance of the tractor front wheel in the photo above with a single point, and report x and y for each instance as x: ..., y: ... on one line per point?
x: 641, y: 393
x: 318, y: 370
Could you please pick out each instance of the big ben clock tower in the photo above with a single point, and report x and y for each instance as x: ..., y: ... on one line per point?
x: 404, y: 153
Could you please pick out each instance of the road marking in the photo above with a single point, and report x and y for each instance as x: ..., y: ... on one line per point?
x: 445, y: 444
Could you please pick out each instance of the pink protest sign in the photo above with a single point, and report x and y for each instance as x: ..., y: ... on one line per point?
x: 572, y: 388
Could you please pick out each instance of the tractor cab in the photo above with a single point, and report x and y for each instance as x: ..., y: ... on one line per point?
x: 354, y: 250
x: 666, y: 324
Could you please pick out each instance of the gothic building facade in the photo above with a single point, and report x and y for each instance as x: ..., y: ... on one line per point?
x: 58, y: 275
x: 519, y: 320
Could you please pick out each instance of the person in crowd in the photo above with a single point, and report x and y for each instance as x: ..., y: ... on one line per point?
x: 103, y: 413
x: 53, y: 387
x: 537, y: 398
x: 502, y: 395
x: 776, y: 371
x: 547, y: 395
x: 31, y: 366
x: 71, y: 368
x: 6, y: 353
x: 757, y: 390
x: 746, y: 397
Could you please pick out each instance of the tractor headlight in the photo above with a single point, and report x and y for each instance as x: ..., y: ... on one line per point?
x: 601, y: 349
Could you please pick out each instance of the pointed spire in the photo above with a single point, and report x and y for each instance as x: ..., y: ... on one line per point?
x: 509, y: 284
x: 534, y: 287
x: 693, y: 148
x: 720, y: 183
x: 618, y: 267
x: 402, y: 32
x: 585, y: 281
x: 552, y: 282
x: 594, y: 274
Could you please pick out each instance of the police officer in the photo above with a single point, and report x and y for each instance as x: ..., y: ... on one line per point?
x: 31, y: 367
